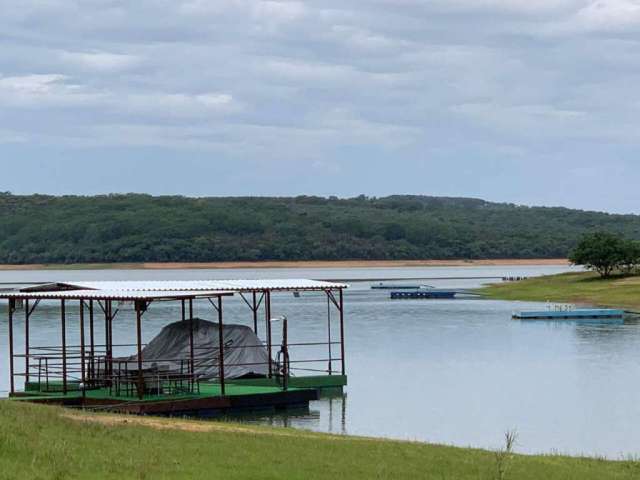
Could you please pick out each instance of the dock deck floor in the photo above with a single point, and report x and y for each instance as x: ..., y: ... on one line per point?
x: 239, y: 389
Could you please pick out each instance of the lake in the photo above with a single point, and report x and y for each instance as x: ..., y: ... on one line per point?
x: 458, y: 372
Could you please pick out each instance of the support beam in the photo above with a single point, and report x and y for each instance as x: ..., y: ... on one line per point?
x: 105, y: 309
x: 191, y: 353
x: 92, y: 348
x: 267, y: 311
x: 27, y: 362
x: 341, y: 301
x: 63, y: 326
x: 221, y: 347
x: 82, y: 359
x: 12, y: 309
x: 330, y: 364
x: 255, y: 314
x: 139, y: 345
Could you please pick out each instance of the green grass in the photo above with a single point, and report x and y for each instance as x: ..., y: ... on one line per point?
x: 581, y: 288
x: 38, y: 442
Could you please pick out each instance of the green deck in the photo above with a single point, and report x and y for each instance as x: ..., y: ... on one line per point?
x: 319, y: 382
x: 237, y: 387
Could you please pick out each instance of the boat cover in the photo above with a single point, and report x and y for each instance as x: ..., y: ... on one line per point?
x: 244, y: 353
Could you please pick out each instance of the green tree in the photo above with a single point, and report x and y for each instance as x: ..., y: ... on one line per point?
x: 630, y: 256
x: 600, y: 251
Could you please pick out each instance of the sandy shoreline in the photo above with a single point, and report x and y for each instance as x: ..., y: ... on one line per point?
x: 291, y: 264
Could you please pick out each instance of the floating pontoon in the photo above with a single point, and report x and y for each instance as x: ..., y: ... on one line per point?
x: 595, y: 314
x: 193, y: 366
x: 431, y: 294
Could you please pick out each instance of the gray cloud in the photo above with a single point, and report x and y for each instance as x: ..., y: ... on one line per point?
x: 516, y: 100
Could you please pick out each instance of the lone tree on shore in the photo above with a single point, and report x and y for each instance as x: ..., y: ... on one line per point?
x: 601, y: 251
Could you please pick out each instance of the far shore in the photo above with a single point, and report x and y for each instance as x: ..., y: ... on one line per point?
x: 292, y: 264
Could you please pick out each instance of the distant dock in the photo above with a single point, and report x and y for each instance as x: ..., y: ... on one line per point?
x: 577, y: 314
x: 431, y: 294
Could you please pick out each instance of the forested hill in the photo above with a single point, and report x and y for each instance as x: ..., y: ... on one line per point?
x: 135, y: 228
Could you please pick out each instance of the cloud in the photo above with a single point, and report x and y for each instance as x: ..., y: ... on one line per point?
x: 338, y: 82
x: 100, y: 61
x: 43, y: 91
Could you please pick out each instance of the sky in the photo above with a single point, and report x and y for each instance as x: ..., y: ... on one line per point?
x: 525, y: 101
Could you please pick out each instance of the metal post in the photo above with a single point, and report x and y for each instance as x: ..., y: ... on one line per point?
x: 221, y: 346
x: 267, y: 309
x: 255, y: 314
x: 12, y: 307
x: 285, y: 355
x: 110, y: 338
x: 26, y: 340
x: 329, y: 330
x: 106, y: 341
x: 183, y: 311
x: 342, y: 332
x: 63, y: 320
x: 191, y: 357
x: 82, y: 366
x: 139, y: 341
x: 92, y: 343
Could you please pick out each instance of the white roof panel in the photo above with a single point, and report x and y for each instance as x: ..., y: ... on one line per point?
x: 198, y: 285
x: 106, y: 294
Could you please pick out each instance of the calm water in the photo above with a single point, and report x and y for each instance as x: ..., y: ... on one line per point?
x: 447, y: 371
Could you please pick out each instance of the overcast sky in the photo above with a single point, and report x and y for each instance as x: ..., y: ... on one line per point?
x: 526, y: 101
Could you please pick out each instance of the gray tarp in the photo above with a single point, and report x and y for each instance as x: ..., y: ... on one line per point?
x: 244, y: 354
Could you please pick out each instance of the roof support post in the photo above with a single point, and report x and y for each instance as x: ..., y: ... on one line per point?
x: 106, y: 341
x: 139, y: 345
x: 92, y: 348
x: 63, y: 326
x: 341, y: 302
x: 27, y: 362
x: 110, y: 345
x: 191, y: 356
x: 221, y: 347
x: 82, y: 359
x: 255, y: 313
x: 267, y: 311
x: 330, y: 363
x: 12, y: 309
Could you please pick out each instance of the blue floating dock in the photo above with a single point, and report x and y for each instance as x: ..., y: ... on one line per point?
x: 577, y: 314
x: 431, y: 294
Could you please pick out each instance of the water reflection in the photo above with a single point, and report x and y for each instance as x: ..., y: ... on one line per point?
x: 325, y: 415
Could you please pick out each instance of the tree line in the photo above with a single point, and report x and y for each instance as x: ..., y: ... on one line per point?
x: 139, y: 228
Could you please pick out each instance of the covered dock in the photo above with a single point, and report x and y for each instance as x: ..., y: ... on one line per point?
x: 218, y: 367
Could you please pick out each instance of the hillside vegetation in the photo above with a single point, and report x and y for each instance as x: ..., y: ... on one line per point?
x: 38, y: 442
x: 138, y: 228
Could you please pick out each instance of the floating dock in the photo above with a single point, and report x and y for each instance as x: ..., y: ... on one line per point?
x: 206, y: 401
x: 398, y: 286
x: 429, y: 294
x: 597, y: 314
x: 191, y: 367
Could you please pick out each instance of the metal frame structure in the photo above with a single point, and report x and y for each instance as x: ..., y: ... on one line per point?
x: 86, y: 360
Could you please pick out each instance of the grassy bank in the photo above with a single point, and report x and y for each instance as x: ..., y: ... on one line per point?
x: 580, y: 288
x: 51, y: 443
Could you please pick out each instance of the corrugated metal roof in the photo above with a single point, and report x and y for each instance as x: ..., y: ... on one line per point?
x: 106, y: 294
x: 288, y: 284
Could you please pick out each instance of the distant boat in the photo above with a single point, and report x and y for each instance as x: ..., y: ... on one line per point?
x: 399, y: 286
x: 596, y: 314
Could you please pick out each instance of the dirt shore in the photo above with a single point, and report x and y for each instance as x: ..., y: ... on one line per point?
x: 291, y: 264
